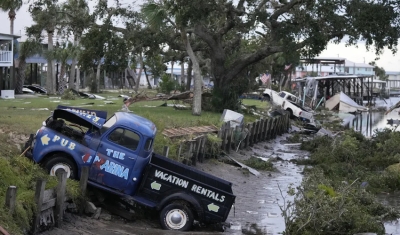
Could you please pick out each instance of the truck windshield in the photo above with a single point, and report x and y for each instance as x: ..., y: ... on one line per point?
x: 109, y: 123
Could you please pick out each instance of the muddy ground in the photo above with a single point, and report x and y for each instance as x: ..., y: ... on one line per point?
x: 257, y: 198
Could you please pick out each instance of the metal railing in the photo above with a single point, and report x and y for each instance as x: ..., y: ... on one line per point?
x: 5, y: 57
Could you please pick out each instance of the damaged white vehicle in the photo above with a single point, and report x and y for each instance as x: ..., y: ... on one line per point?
x: 290, y: 103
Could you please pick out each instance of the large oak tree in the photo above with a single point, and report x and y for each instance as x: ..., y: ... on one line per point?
x: 305, y: 26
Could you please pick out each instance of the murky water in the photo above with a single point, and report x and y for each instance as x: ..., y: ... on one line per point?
x: 265, y: 213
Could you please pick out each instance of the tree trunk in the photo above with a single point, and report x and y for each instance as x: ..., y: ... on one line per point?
x: 50, y: 69
x: 127, y: 74
x: 140, y: 73
x: 197, y: 91
x: 172, y: 70
x: 182, y: 81
x: 63, y: 82
x: 71, y: 82
x: 147, y: 78
x: 189, y: 75
x: 78, y: 78
x: 11, y: 15
x: 98, y: 77
x: 21, y: 76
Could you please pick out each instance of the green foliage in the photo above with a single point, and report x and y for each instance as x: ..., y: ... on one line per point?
x: 213, y: 145
x: 353, y: 156
x: 166, y: 84
x: 330, y: 207
x: 68, y: 95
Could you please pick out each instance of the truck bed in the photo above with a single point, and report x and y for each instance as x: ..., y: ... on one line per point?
x: 165, y: 178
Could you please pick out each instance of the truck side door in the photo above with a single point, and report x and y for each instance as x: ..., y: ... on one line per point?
x: 115, y: 158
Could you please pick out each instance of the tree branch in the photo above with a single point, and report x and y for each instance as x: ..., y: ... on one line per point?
x: 285, y: 8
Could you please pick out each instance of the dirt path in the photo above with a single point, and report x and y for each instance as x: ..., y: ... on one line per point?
x: 257, y: 198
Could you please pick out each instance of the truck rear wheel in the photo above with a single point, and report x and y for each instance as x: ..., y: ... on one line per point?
x: 176, y: 216
x: 61, y: 163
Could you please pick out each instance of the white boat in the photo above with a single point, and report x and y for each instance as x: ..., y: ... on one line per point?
x: 343, y: 103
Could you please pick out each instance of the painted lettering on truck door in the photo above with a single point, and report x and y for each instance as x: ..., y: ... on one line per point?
x: 115, y: 159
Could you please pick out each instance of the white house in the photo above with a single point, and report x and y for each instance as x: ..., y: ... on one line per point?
x: 327, y: 67
x: 6, y: 49
x: 6, y: 61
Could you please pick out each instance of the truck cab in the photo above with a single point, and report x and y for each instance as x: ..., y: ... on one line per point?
x: 119, y: 154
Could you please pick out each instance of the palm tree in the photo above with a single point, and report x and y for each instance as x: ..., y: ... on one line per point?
x: 11, y: 6
x: 77, y: 19
x: 46, y: 14
x: 62, y: 54
x: 28, y: 48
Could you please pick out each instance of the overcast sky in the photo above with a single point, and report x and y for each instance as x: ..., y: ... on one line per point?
x: 388, y: 61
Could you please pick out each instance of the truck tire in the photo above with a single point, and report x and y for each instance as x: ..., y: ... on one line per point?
x: 290, y: 113
x: 60, y: 162
x: 176, y: 216
x: 267, y: 98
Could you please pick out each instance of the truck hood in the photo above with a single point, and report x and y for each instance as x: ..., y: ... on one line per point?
x: 82, y: 119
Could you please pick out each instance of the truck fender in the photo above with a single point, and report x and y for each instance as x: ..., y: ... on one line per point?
x: 53, y: 150
x: 185, y: 197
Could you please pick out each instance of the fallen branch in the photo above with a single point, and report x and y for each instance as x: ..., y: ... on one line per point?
x: 3, y: 231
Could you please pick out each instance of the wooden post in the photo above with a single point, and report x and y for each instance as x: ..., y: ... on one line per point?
x: 40, y: 185
x: 198, y: 145
x: 261, y: 129
x: 226, y: 135
x: 230, y: 136
x: 265, y: 134
x: 258, y: 123
x: 272, y: 129
x: 203, y: 149
x: 248, y: 136
x: 190, y: 153
x: 179, y: 151
x: 11, y: 197
x: 166, y: 151
x: 60, y: 191
x: 83, y: 184
x: 84, y: 179
x: 253, y: 131
x: 223, y: 136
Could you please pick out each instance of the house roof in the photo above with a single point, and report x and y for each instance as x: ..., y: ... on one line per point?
x: 9, y: 35
x: 349, y: 63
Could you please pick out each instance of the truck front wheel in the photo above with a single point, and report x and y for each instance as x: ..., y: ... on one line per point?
x: 176, y: 216
x: 61, y: 163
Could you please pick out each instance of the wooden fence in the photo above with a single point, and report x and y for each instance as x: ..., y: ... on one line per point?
x: 50, y: 203
x: 233, y: 138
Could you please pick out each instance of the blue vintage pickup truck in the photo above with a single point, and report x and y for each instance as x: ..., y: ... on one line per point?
x: 119, y: 154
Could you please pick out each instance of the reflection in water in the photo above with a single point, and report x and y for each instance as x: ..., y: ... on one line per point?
x: 393, y: 200
x: 367, y: 122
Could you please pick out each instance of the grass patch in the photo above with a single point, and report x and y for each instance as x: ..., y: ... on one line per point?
x: 25, y: 116
x: 259, y: 164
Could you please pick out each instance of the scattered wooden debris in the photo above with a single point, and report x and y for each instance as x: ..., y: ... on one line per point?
x: 197, y: 130
x: 252, y: 171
